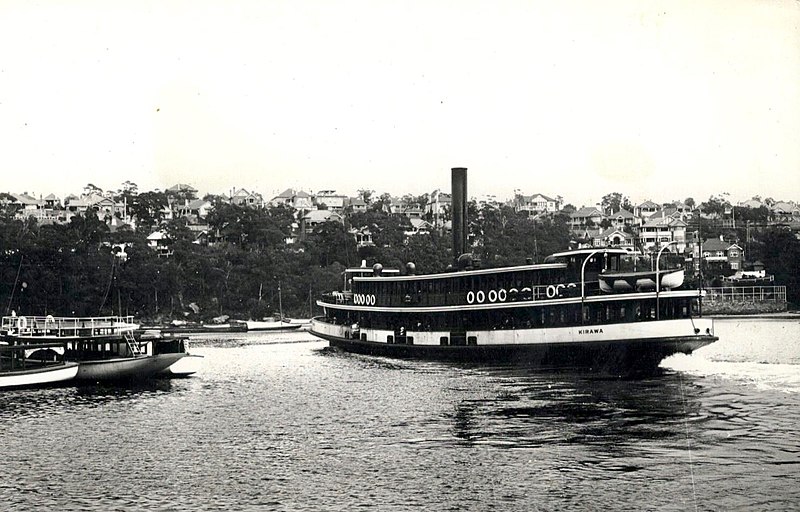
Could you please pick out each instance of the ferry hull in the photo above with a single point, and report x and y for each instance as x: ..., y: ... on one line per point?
x: 612, y: 357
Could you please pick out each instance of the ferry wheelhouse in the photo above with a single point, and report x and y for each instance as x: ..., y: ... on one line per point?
x: 567, y: 312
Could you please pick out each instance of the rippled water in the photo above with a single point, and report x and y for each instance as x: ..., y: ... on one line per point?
x: 273, y: 425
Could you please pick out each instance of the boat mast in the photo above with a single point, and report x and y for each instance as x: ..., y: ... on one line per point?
x: 280, y: 302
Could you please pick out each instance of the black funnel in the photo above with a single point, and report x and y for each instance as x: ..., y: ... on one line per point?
x: 459, y: 189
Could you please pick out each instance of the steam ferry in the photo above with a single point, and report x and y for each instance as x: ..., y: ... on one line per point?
x: 577, y: 310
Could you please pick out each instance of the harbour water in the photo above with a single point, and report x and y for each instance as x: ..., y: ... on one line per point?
x: 280, y: 422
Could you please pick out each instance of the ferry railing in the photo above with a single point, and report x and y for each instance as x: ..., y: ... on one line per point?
x: 746, y: 294
x: 67, y: 326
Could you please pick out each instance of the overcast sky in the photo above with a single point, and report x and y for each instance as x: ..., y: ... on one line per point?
x: 656, y: 100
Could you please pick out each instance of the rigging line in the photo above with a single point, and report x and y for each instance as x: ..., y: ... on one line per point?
x: 108, y: 288
x: 16, y: 280
x: 688, y: 443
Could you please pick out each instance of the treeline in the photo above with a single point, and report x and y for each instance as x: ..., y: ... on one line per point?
x: 71, y: 269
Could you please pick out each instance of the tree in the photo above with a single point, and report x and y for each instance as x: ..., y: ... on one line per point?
x: 569, y: 208
x: 383, y: 203
x: 613, y: 202
x: 689, y: 201
x: 365, y: 195
x: 91, y: 188
x: 330, y: 243
x: 148, y: 208
x: 714, y: 206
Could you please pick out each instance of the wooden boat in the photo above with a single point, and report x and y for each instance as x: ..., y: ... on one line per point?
x: 615, y: 282
x: 187, y: 365
x: 34, y: 365
x: 549, y: 315
x: 273, y: 325
x: 105, y: 348
x: 125, y: 368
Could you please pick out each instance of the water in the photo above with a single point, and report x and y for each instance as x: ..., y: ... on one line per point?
x: 273, y: 425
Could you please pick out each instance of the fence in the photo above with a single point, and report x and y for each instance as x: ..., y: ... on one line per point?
x: 746, y: 294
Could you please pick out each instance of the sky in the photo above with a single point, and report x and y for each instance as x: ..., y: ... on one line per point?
x: 655, y: 100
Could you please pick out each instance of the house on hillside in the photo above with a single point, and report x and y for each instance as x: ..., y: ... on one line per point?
x: 439, y: 203
x: 784, y: 211
x: 646, y: 209
x: 418, y: 227
x: 658, y: 231
x: 314, y: 218
x: 751, y: 203
x: 242, y: 197
x: 297, y: 199
x: 717, y: 250
x: 536, y: 204
x: 586, y: 216
x: 623, y: 218
x: 583, y: 237
x: 159, y: 242
x: 104, y: 207
x: 181, y: 190
x: 25, y: 202
x: 357, y: 205
x: 52, y: 202
x: 362, y: 236
x: 615, y: 238
x: 197, y: 209
x: 331, y: 200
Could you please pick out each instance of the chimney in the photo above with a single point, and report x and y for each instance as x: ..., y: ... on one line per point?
x: 459, y: 206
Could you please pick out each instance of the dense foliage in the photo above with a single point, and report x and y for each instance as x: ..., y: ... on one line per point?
x: 71, y: 269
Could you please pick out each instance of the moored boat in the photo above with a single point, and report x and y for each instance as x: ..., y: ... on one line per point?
x: 556, y: 314
x: 34, y: 365
x: 272, y: 325
x: 188, y: 364
x: 105, y: 348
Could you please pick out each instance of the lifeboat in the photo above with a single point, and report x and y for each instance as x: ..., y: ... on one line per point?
x: 617, y: 282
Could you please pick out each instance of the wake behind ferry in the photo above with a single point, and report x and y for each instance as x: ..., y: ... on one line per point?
x: 577, y: 310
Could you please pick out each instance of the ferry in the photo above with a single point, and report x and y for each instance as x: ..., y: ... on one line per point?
x: 560, y: 314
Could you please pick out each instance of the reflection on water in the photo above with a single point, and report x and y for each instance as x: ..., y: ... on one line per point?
x: 285, y: 423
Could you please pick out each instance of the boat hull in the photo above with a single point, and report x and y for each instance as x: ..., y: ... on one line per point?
x: 187, y: 365
x: 272, y: 326
x: 125, y: 368
x: 39, y: 376
x: 617, y: 349
x: 621, y: 357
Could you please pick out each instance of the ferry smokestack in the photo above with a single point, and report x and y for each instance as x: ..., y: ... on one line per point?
x: 459, y: 189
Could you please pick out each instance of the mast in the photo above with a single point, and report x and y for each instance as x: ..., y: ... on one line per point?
x: 280, y: 302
